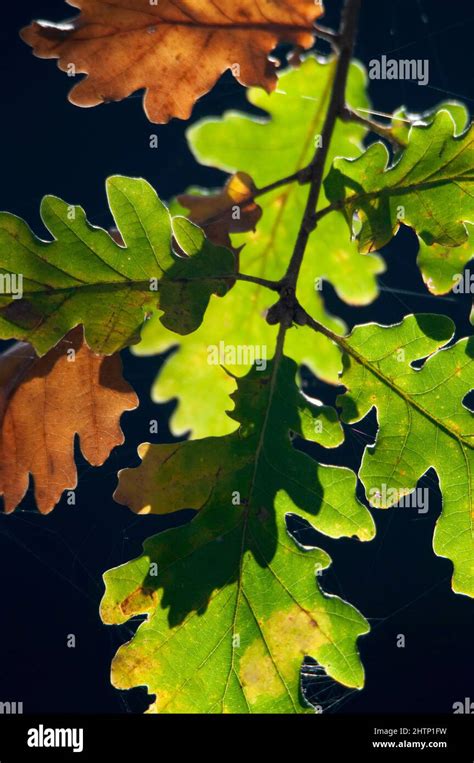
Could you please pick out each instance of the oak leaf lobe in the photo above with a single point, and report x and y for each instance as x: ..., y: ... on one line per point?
x: 176, y: 49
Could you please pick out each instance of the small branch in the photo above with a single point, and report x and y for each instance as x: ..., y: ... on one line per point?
x: 273, y: 285
x: 287, y: 305
x: 278, y: 183
x: 349, y: 115
x: 322, y: 329
x: 326, y: 210
x: 305, y: 319
x: 337, y: 108
x: 287, y: 310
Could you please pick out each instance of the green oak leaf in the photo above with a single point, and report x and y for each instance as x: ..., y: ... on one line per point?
x: 429, y: 187
x: 268, y: 148
x: 422, y: 423
x: 232, y: 589
x: 442, y: 266
x: 85, y: 277
x: 403, y: 120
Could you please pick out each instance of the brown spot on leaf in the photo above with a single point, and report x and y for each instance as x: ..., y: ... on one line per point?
x: 289, y: 635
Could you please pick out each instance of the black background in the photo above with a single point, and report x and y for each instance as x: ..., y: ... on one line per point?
x: 51, y: 567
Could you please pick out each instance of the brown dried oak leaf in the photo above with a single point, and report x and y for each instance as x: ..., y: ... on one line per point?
x: 230, y: 210
x: 175, y: 49
x: 44, y: 402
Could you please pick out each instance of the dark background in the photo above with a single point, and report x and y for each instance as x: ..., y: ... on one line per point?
x: 51, y: 567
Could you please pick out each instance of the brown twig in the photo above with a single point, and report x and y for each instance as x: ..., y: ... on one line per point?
x: 287, y: 310
x: 338, y: 108
x: 349, y: 115
x: 273, y: 285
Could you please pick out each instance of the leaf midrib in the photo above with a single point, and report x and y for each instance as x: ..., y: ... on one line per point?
x: 400, y: 190
x: 270, y: 26
x: 115, y: 285
x: 243, y: 557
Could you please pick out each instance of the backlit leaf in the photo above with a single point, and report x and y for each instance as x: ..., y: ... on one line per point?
x: 45, y: 403
x: 429, y: 187
x: 175, y: 49
x: 84, y: 277
x: 423, y: 423
x: 442, y: 266
x: 231, y: 590
x: 403, y: 119
x: 268, y: 148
